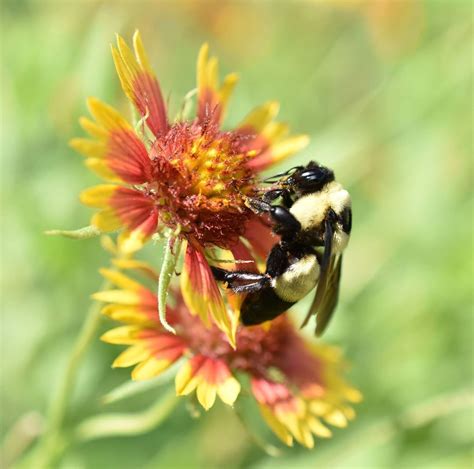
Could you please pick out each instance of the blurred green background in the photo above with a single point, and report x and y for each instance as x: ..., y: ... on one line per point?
x: 384, y: 90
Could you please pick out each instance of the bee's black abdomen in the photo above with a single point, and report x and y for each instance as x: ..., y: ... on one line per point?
x: 262, y: 306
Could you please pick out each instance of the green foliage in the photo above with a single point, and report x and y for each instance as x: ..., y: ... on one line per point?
x: 396, y: 125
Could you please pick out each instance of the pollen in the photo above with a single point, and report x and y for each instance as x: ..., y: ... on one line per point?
x: 201, y: 180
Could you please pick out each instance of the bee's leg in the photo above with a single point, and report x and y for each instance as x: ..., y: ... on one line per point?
x: 259, y: 205
x: 251, y: 287
x: 287, y: 224
x: 241, y: 281
x: 273, y: 194
x: 277, y: 261
x: 270, y: 196
x: 287, y: 200
x: 223, y: 275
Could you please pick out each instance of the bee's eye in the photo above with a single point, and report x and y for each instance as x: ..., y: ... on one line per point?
x: 311, y: 179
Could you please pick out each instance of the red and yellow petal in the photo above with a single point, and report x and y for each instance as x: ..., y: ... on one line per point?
x: 266, y: 139
x: 212, y: 98
x: 269, y: 392
x: 137, y: 266
x: 187, y: 377
x: 121, y: 280
x: 132, y: 303
x: 122, y: 335
x: 285, y: 413
x: 121, y: 297
x: 290, y: 415
x: 318, y: 428
x: 140, y: 84
x: 151, y: 351
x: 206, y: 394
x: 100, y: 168
x: 164, y: 349
x: 130, y: 314
x: 150, y: 368
x: 116, y: 153
x: 122, y: 208
x: 210, y: 378
x: 228, y: 388
x: 201, y: 293
x: 135, y: 209
x: 278, y: 152
x: 275, y: 425
x: 257, y: 120
x: 131, y: 356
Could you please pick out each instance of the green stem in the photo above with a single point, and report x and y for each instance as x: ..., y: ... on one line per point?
x: 166, y: 273
x: 48, y: 446
x: 128, y: 424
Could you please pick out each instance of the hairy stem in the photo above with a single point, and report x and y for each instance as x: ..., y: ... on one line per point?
x: 82, y: 233
x: 168, y: 266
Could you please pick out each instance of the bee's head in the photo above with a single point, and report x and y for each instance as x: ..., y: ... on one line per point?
x: 310, y: 178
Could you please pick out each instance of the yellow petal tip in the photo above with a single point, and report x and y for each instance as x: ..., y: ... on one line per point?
x: 92, y: 101
x: 75, y: 143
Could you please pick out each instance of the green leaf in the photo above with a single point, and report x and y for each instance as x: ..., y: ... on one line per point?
x: 82, y: 233
x: 127, y: 424
x: 166, y: 274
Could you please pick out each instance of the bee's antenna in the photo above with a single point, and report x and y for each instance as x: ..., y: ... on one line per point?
x: 276, y: 177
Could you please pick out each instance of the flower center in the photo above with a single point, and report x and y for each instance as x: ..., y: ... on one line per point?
x: 258, y: 349
x: 201, y: 180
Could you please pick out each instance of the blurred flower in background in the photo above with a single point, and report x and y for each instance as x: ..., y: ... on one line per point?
x: 394, y: 25
x: 189, y: 176
x: 295, y: 383
x: 225, y: 21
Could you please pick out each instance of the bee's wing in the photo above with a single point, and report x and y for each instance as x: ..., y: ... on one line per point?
x: 325, y: 269
x: 331, y: 294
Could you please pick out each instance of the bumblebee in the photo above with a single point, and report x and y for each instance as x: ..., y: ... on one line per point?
x: 311, y: 213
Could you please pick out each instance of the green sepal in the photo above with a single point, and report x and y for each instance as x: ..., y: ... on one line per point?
x: 167, y: 271
x: 87, y: 232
